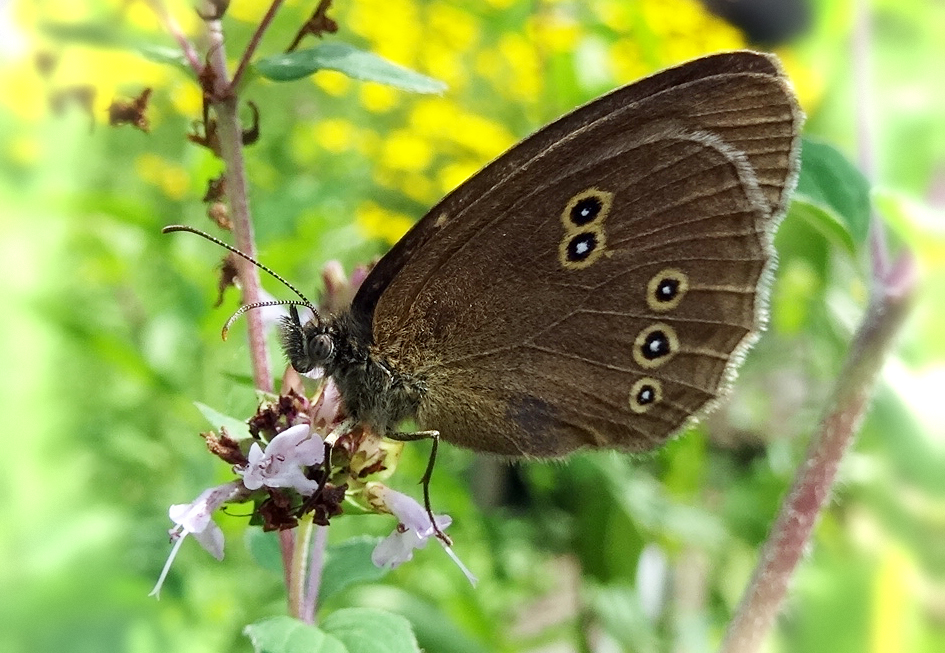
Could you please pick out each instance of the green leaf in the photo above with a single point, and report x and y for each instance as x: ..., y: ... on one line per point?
x: 835, y: 192
x: 288, y: 635
x: 347, y: 59
x: 111, y: 36
x: 101, y: 35
x: 349, y: 563
x: 823, y: 220
x: 368, y: 630
x: 163, y: 54
x: 235, y: 428
x: 264, y: 547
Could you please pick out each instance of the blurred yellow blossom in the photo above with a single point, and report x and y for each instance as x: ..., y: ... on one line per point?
x: 404, y: 150
x: 186, y: 97
x: 332, y: 82
x: 415, y: 185
x: 332, y: 134
x: 453, y: 174
x: 628, y: 61
x: 378, y: 222
x: 170, y: 177
x: 556, y: 31
x: 394, y: 28
x: 248, y: 12
x: 443, y: 62
x: 482, y: 136
x: 455, y: 28
x: 521, y: 55
x: 895, y: 602
x: 809, y: 83
x: 378, y: 98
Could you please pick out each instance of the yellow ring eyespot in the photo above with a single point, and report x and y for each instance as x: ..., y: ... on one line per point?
x: 581, y: 249
x: 644, y: 394
x: 655, y: 345
x: 666, y: 289
x: 587, y: 207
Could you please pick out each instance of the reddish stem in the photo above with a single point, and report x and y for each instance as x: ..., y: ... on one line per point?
x: 230, y: 133
x: 253, y: 44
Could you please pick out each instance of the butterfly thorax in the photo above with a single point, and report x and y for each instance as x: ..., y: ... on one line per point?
x: 372, y: 387
x: 374, y: 390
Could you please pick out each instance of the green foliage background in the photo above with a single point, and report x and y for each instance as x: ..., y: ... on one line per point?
x: 109, y: 334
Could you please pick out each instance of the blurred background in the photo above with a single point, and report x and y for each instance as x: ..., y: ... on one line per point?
x: 109, y: 332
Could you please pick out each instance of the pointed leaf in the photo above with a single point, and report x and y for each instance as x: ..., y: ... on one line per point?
x: 235, y: 428
x: 265, y: 549
x: 837, y: 193
x: 347, y: 59
x: 368, y: 630
x: 349, y: 563
x: 288, y: 635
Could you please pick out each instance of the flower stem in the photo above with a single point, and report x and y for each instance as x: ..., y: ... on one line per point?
x: 316, y: 565
x: 170, y: 24
x: 791, y: 532
x: 253, y: 44
x: 225, y: 108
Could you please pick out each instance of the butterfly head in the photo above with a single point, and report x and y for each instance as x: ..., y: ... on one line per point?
x: 308, y: 345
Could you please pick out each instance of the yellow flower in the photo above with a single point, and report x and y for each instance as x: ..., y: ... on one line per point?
x: 454, y: 174
x: 332, y: 134
x: 526, y: 75
x: 378, y: 222
x: 171, y: 178
x: 332, y: 82
x: 556, y: 32
x: 404, y: 150
x: 378, y: 98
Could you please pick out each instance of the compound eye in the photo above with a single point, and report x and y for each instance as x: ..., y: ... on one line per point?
x: 320, y: 349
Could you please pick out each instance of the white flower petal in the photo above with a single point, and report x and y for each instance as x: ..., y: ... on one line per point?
x: 396, y: 549
x: 211, y: 539
x: 411, y: 514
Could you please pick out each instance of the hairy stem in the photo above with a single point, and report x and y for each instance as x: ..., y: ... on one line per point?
x: 316, y: 565
x: 229, y: 130
x: 303, y: 542
x: 190, y: 52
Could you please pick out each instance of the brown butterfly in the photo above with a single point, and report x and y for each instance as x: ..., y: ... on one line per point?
x: 595, y: 286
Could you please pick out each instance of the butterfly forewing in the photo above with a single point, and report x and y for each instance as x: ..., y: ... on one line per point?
x: 593, y: 285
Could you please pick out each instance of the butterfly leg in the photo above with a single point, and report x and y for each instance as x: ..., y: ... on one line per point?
x: 427, y: 475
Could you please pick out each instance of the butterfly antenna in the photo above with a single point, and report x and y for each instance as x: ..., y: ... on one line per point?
x: 213, y: 239
x: 248, y: 307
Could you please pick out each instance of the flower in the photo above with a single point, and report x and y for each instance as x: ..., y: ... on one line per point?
x: 412, y: 531
x: 282, y: 462
x: 195, y: 518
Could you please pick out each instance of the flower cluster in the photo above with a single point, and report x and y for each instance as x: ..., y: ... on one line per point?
x: 303, y: 460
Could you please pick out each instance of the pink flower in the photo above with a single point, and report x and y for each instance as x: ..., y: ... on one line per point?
x: 282, y: 463
x: 412, y: 531
x: 195, y: 518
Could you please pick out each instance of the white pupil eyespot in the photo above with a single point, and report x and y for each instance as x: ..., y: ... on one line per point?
x: 655, y: 346
x: 581, y: 247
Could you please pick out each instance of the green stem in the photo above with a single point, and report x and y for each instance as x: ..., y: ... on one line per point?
x: 303, y: 540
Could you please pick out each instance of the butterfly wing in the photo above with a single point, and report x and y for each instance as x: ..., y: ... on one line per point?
x: 595, y: 285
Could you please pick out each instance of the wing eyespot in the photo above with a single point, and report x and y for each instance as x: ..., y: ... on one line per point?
x: 655, y: 345
x: 666, y: 289
x: 644, y: 394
